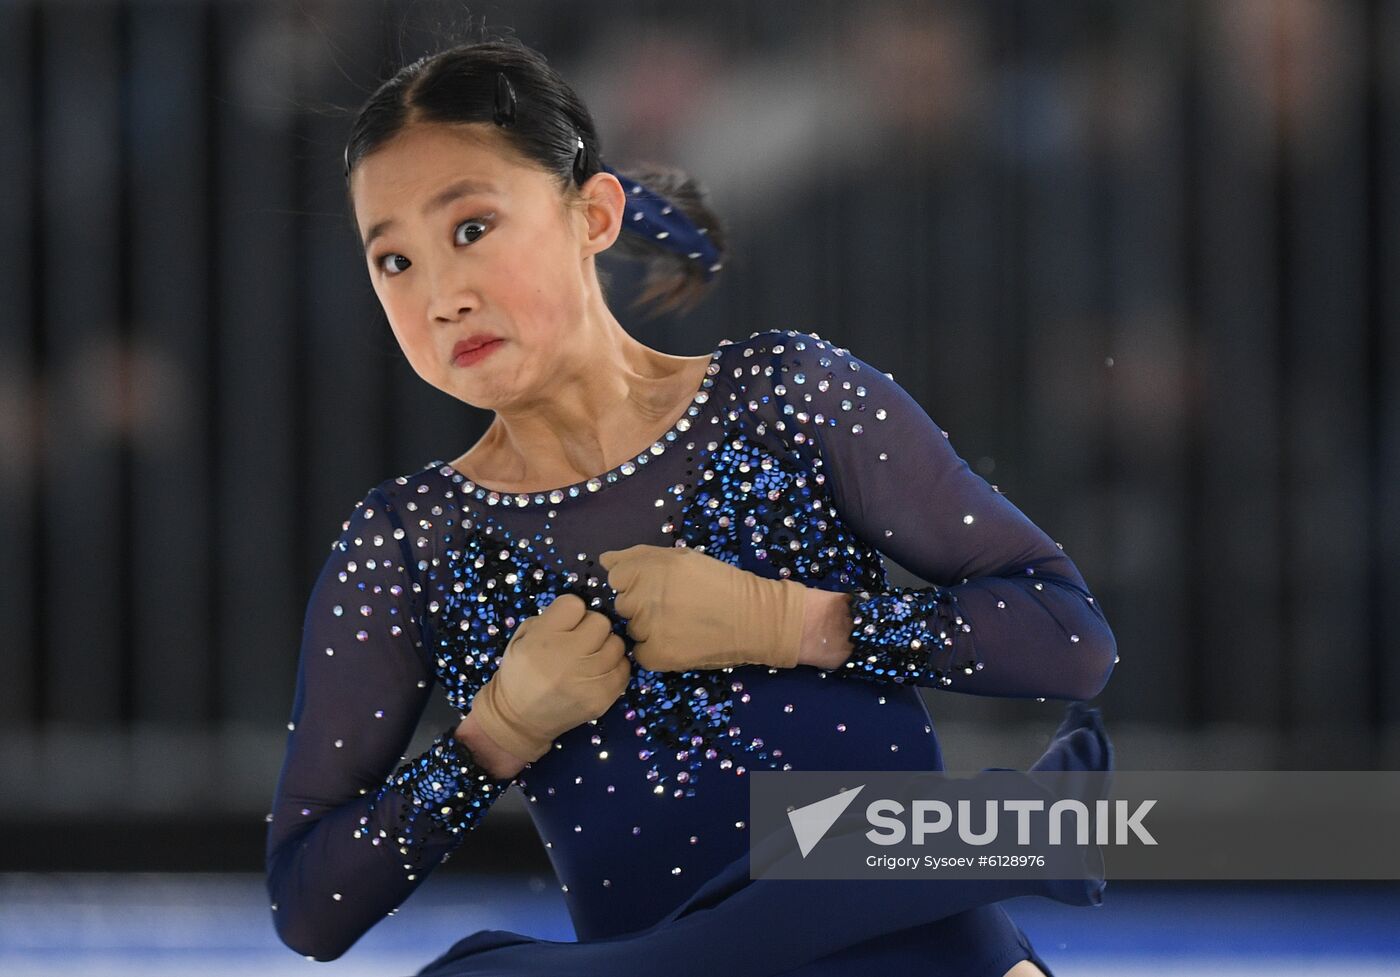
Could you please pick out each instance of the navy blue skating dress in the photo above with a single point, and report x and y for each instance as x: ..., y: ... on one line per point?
x: 795, y: 459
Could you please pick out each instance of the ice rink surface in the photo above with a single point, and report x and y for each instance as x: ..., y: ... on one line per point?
x: 156, y: 925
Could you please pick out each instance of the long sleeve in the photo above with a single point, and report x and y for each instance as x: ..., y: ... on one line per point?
x: 353, y: 831
x: 1007, y: 612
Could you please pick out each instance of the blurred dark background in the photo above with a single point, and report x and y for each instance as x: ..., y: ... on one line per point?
x: 1138, y: 259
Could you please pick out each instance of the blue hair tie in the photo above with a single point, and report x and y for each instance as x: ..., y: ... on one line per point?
x: 654, y: 217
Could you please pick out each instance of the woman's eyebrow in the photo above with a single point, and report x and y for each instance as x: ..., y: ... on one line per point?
x: 445, y: 196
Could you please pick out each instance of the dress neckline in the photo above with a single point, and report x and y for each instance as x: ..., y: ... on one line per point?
x: 596, y: 483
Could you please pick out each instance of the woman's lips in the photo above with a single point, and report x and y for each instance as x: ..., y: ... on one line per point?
x: 471, y: 356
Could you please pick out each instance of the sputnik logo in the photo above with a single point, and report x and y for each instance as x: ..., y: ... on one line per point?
x: 811, y: 823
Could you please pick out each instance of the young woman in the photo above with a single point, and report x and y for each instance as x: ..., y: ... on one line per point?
x: 651, y: 575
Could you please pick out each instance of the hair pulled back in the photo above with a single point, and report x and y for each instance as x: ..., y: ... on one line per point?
x: 458, y: 86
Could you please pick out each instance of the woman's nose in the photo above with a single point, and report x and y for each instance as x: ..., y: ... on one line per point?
x: 452, y: 299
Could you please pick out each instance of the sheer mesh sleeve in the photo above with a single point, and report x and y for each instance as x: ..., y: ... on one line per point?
x: 353, y: 831
x: 1007, y: 612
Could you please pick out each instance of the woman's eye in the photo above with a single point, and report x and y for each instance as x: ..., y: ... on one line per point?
x: 481, y: 223
x: 390, y: 257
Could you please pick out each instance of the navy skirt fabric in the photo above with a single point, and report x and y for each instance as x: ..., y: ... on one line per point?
x: 735, y: 925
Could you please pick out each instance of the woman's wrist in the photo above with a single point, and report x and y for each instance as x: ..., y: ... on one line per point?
x: 495, y: 760
x: 826, y: 629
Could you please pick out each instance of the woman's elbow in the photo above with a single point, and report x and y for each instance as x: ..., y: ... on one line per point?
x: 305, y: 932
x: 306, y: 938
x: 1091, y: 663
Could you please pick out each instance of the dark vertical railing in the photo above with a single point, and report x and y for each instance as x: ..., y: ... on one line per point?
x: 83, y: 502
x: 1140, y: 261
x: 21, y: 343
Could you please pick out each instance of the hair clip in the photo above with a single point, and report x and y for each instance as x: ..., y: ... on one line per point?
x: 505, y: 100
x: 580, y: 161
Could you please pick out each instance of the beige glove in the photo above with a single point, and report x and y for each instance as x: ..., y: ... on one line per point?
x: 688, y: 610
x: 561, y: 668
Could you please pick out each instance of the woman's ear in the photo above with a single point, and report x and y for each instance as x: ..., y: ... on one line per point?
x: 604, y: 204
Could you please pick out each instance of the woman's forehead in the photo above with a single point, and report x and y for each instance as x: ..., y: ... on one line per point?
x: 412, y: 178
x: 421, y: 159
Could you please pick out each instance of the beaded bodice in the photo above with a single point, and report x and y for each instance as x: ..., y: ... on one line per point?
x: 794, y: 459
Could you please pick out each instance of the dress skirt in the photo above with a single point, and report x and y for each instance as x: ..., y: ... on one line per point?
x: 734, y: 925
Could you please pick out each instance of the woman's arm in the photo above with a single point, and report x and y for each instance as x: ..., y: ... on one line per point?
x: 353, y: 830
x: 496, y: 761
x: 826, y: 629
x: 1007, y: 613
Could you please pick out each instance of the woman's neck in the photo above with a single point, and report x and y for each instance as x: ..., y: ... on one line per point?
x: 588, y: 426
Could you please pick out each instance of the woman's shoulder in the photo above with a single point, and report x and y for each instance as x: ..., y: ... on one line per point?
x: 788, y: 363
x: 411, y: 511
x: 411, y: 499
x: 785, y: 349
x: 766, y: 340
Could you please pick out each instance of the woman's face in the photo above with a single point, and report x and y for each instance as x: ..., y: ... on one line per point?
x: 504, y: 257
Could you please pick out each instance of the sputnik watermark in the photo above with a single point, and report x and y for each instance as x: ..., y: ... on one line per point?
x: 1075, y: 824
x: 889, y: 829
x: 932, y: 817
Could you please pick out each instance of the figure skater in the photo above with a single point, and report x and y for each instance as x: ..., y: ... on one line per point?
x: 651, y: 575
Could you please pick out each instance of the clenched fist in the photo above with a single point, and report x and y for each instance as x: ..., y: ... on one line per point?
x: 561, y: 668
x: 687, y: 610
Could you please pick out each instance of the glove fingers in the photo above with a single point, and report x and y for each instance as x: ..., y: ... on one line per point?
x: 625, y: 605
x: 591, y: 630
x: 623, y: 566
x: 639, y: 627
x: 607, y: 660
x: 564, y: 612
x: 604, y: 654
x: 618, y: 677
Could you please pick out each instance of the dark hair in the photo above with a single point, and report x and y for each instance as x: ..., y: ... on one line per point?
x: 458, y: 85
